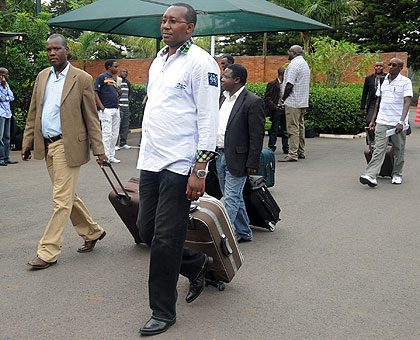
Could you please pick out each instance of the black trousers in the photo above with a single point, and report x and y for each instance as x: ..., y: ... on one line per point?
x: 163, y: 221
x: 278, y: 120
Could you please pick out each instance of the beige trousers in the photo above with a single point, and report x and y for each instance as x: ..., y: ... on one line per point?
x: 66, y: 204
x: 296, y: 130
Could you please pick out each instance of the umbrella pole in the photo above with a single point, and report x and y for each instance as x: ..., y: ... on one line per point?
x: 158, y: 45
x: 213, y: 45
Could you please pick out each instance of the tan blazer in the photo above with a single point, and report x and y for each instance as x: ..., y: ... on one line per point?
x: 79, y: 118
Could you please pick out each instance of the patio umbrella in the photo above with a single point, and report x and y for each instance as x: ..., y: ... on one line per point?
x: 11, y: 35
x: 215, y: 17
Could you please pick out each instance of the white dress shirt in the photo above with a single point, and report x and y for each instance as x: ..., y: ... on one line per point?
x: 181, y: 114
x: 392, y: 99
x: 224, y: 114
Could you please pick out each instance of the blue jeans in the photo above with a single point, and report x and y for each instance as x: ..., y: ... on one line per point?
x: 232, y: 189
x: 163, y: 221
x: 4, y: 139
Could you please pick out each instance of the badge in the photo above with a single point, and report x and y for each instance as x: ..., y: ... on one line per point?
x: 213, y: 79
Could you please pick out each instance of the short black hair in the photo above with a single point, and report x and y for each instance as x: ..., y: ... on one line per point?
x: 58, y: 36
x: 239, y: 71
x: 191, y: 13
x: 230, y: 58
x: 109, y: 63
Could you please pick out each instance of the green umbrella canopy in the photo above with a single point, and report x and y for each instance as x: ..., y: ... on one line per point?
x: 215, y: 17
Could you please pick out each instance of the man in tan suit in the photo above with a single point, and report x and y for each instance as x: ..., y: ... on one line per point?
x: 62, y: 123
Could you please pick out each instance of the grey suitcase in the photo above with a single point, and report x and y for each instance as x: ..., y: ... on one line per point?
x: 211, y: 232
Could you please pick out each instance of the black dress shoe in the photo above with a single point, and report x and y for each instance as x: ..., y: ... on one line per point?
x: 154, y: 326
x: 11, y: 162
x: 197, y: 285
x: 3, y: 163
x: 301, y: 157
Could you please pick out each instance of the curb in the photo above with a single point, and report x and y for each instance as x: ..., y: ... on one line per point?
x: 326, y: 135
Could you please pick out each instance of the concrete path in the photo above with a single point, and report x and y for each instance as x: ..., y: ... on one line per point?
x: 343, y: 263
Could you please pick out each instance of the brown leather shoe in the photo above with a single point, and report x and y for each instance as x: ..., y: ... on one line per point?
x: 89, y: 245
x: 288, y: 159
x: 37, y: 263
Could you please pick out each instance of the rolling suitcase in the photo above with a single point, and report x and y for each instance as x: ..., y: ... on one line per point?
x: 267, y: 166
x: 388, y: 164
x: 125, y: 199
x: 261, y: 207
x: 211, y: 232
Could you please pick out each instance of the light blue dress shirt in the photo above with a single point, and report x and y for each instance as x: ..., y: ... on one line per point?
x: 6, y: 96
x: 51, y: 121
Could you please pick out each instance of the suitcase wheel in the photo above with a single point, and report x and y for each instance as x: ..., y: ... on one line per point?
x: 214, y: 283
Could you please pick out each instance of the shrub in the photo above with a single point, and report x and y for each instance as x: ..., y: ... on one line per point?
x: 335, y: 110
x: 136, y: 107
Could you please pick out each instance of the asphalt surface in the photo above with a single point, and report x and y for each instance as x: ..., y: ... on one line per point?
x: 343, y: 263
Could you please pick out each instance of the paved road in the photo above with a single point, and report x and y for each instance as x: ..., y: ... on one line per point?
x: 344, y: 262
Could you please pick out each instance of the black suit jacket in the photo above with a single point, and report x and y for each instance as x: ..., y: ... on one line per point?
x: 369, y: 90
x: 272, y: 96
x: 244, y: 133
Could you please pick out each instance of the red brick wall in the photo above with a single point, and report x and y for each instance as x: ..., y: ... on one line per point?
x: 260, y: 69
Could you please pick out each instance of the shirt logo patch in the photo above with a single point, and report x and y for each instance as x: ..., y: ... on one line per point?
x: 180, y: 86
x: 213, y: 79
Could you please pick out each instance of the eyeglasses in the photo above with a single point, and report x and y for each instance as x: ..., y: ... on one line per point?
x: 393, y: 65
x: 172, y: 22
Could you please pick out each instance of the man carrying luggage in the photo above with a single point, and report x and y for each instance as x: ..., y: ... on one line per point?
x: 61, y: 127
x: 274, y: 107
x: 239, y: 142
x: 391, y: 112
x: 178, y: 139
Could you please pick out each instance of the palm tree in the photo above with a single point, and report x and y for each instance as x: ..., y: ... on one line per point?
x: 330, y: 12
x: 91, y: 46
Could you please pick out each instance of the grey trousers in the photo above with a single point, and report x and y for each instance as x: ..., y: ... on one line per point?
x: 124, y: 124
x: 381, y: 142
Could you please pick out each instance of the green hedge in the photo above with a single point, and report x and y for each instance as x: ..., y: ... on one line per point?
x: 136, y: 107
x: 335, y: 110
x: 330, y: 110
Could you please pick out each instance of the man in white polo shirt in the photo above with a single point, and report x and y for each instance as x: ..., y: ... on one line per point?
x: 392, y: 108
x: 178, y: 139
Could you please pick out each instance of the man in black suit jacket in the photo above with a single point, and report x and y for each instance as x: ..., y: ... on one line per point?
x: 372, y: 83
x: 274, y: 108
x: 239, y: 142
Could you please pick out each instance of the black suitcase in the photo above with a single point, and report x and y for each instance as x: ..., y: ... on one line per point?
x: 388, y: 164
x: 125, y: 199
x: 261, y: 207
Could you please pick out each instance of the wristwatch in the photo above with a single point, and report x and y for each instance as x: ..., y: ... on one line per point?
x: 201, y: 173
x: 401, y: 122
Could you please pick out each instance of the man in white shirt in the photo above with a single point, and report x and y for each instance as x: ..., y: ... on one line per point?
x: 239, y: 142
x: 391, y: 111
x: 178, y: 139
x: 296, y: 101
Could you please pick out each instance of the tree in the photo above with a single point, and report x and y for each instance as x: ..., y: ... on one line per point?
x: 387, y: 25
x: 336, y: 60
x: 91, y: 46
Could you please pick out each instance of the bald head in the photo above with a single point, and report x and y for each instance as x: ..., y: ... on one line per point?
x: 295, y: 51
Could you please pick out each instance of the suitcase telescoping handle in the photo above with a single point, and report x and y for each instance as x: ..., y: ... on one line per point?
x: 124, y: 198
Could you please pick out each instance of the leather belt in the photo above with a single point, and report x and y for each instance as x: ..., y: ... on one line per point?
x: 50, y: 140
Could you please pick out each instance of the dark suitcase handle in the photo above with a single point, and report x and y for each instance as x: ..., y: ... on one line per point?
x: 124, y: 198
x: 225, y: 246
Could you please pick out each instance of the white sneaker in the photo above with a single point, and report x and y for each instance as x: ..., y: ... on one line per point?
x: 365, y: 179
x: 114, y: 160
x: 396, y: 180
x: 117, y: 148
x: 125, y: 147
